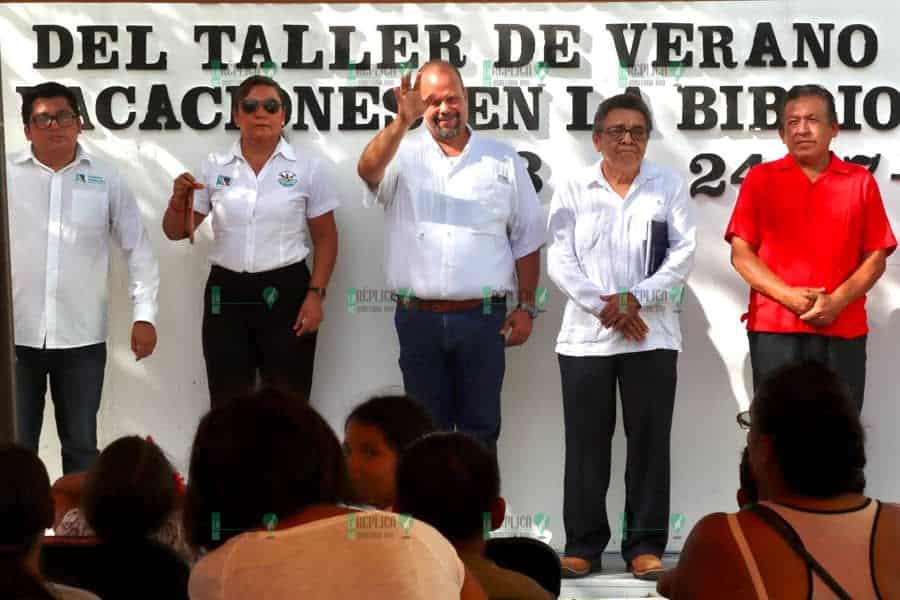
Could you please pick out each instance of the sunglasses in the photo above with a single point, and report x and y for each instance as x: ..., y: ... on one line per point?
x: 250, y: 106
x: 64, y: 118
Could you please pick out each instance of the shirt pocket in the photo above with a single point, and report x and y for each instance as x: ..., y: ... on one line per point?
x: 90, y: 208
x: 487, y: 204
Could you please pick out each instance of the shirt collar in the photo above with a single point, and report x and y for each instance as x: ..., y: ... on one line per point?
x: 283, y: 148
x: 835, y: 165
x: 28, y: 154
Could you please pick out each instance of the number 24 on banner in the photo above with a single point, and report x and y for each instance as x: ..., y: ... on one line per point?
x: 712, y: 183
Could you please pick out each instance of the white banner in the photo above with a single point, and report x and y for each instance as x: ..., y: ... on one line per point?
x: 155, y: 81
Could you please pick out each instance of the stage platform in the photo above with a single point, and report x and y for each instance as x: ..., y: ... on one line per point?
x: 613, y: 582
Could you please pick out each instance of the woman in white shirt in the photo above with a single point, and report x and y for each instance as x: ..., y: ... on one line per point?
x: 262, y: 306
x: 266, y: 476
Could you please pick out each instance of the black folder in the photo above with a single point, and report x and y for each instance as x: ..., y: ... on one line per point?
x: 656, y: 246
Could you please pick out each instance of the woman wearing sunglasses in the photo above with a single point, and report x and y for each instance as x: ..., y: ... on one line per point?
x: 262, y: 305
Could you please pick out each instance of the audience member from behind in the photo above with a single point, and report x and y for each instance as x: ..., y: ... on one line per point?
x: 129, y: 494
x: 375, y: 435
x: 452, y: 482
x: 129, y: 502
x: 807, y: 454
x: 26, y: 510
x: 266, y: 477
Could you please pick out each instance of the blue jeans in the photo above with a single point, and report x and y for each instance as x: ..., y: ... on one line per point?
x: 76, y: 383
x: 453, y: 364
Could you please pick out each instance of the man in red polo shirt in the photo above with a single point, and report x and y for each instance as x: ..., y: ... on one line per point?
x: 810, y: 235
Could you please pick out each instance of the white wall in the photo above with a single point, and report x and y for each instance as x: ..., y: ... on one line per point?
x: 165, y: 395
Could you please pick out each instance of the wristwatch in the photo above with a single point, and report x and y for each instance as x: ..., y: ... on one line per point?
x: 319, y: 290
x: 530, y: 308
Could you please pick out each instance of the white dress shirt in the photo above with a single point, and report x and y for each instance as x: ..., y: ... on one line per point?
x: 597, y: 248
x: 60, y: 226
x: 260, y: 222
x: 456, y: 225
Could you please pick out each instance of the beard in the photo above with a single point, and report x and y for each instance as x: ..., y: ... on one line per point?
x: 444, y: 132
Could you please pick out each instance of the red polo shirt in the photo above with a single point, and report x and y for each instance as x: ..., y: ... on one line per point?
x: 810, y: 234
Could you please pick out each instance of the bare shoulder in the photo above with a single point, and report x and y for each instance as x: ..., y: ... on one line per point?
x: 889, y: 527
x: 710, y: 548
x: 887, y: 549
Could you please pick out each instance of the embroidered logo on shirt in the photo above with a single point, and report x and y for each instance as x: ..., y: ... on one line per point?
x: 287, y: 178
x: 95, y: 179
x: 223, y: 181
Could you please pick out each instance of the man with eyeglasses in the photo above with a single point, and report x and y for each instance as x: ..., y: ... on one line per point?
x: 64, y: 206
x: 463, y: 230
x: 621, y: 246
x: 810, y: 235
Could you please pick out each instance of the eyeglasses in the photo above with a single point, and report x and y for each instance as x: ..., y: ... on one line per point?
x: 250, y: 106
x: 64, y: 118
x: 638, y: 134
x: 743, y: 419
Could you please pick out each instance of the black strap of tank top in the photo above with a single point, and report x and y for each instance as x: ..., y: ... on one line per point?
x: 777, y: 522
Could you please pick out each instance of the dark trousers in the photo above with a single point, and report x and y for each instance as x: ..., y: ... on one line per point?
x: 847, y: 357
x: 646, y: 382
x: 76, y: 384
x: 453, y: 363
x: 248, y: 334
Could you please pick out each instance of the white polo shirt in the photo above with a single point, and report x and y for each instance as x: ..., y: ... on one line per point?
x: 260, y: 222
x: 596, y: 248
x: 61, y: 223
x: 456, y: 225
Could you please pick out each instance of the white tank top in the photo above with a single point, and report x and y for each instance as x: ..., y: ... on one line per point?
x: 841, y: 541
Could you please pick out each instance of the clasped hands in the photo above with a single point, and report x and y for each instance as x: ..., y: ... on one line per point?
x: 621, y: 314
x: 812, y: 305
